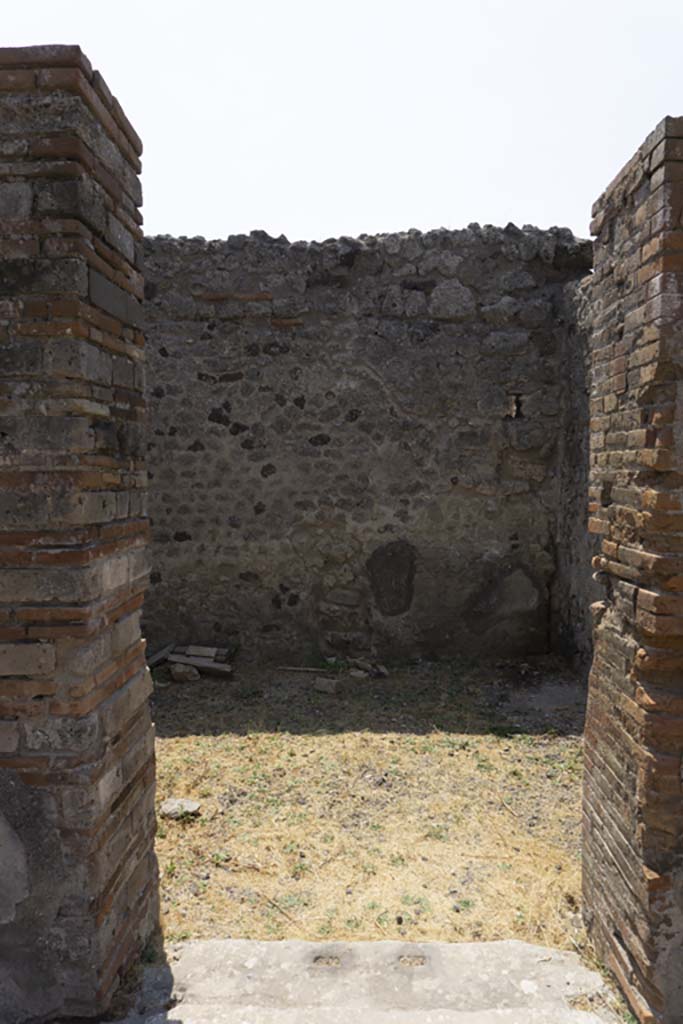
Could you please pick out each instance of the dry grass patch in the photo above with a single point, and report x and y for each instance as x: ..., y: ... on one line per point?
x: 441, y: 803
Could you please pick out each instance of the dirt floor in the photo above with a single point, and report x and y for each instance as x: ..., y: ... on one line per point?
x: 442, y: 802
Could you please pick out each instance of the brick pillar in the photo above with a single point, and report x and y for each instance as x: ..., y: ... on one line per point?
x: 77, y: 878
x: 633, y: 808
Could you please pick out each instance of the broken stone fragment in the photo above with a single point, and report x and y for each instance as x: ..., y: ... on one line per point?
x: 209, y: 665
x: 361, y: 668
x: 184, y: 673
x: 323, y: 685
x: 361, y: 663
x: 179, y: 807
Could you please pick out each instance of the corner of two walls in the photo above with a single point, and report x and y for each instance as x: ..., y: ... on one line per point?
x: 574, y: 588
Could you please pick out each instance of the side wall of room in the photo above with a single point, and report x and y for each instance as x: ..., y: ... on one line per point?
x: 633, y: 840
x: 78, y: 885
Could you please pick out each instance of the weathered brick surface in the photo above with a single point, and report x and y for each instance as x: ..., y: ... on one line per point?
x: 76, y: 758
x: 359, y: 444
x: 633, y: 850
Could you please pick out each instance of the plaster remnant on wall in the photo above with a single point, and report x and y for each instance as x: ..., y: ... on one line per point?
x: 14, y: 882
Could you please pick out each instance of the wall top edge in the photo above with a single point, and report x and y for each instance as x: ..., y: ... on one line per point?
x: 49, y: 56
x: 641, y: 163
x: 448, y: 238
x: 66, y: 56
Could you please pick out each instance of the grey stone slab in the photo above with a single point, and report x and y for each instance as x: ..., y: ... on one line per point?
x: 551, y: 1014
x: 245, y: 982
x: 114, y: 300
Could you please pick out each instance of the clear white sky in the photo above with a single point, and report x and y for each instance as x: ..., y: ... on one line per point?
x: 317, y: 118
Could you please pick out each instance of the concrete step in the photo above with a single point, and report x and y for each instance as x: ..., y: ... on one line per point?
x: 244, y: 982
x: 551, y: 1014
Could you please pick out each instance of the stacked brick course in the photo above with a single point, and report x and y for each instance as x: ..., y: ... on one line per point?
x: 76, y: 742
x: 633, y: 866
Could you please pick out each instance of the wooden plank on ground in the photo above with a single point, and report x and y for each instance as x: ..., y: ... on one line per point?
x: 159, y: 656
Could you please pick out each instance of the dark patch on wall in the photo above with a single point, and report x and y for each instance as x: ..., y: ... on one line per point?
x: 508, y: 608
x: 391, y: 570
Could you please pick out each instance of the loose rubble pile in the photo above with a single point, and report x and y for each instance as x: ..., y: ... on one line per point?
x: 188, y: 663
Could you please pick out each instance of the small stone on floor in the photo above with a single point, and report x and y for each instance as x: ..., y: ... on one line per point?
x: 179, y: 807
x: 184, y: 673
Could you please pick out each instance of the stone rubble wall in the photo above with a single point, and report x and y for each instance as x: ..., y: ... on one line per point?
x: 77, y: 870
x: 633, y: 810
x: 358, y: 445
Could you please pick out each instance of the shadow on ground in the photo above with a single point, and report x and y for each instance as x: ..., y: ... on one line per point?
x: 536, y: 696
